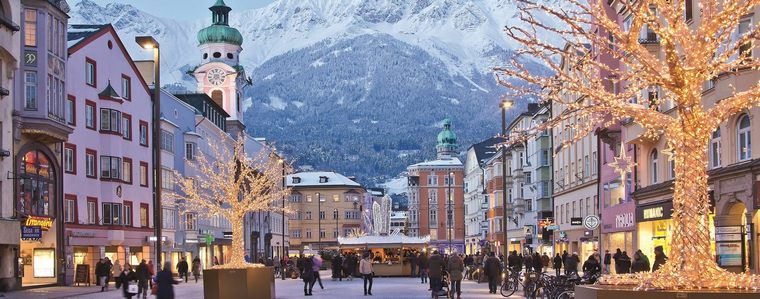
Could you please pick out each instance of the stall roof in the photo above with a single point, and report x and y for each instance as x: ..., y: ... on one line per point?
x: 383, y: 241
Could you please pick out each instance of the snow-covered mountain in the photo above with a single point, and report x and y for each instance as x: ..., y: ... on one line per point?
x: 343, y: 83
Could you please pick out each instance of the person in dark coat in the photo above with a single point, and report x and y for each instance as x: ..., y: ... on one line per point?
x: 659, y: 258
x: 591, y: 266
x: 182, y: 269
x: 307, y: 274
x: 435, y: 272
x: 512, y: 260
x: 607, y: 261
x: 348, y: 266
x: 423, y: 265
x: 528, y: 262
x: 337, y: 267
x: 127, y: 276
x: 557, y: 264
x: 564, y: 259
x: 616, y: 257
x: 538, y: 265
x: 196, y: 268
x: 571, y: 264
x: 624, y: 263
x: 492, y: 269
x: 108, y: 268
x: 165, y: 281
x: 143, y: 275
x: 640, y: 264
x: 413, y: 263
x: 100, y: 273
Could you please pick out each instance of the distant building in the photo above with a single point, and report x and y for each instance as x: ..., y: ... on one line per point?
x: 476, y: 197
x: 399, y: 221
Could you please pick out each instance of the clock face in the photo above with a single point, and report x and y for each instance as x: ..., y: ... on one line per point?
x: 216, y: 76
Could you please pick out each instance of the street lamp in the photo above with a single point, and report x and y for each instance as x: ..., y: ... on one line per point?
x: 450, y: 216
x: 505, y: 104
x: 148, y: 43
x: 282, y: 257
x: 319, y: 223
x: 337, y: 233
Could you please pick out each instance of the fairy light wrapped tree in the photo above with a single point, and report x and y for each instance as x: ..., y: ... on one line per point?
x: 232, y: 183
x: 689, y: 54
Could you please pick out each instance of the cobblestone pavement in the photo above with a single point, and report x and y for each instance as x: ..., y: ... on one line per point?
x: 390, y: 288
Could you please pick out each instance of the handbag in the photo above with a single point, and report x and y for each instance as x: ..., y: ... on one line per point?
x: 132, y: 288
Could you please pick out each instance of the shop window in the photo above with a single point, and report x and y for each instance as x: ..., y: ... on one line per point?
x: 36, y: 184
x: 44, y: 262
x: 744, y: 139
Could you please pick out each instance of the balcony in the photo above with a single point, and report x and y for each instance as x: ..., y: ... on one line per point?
x: 544, y: 205
x: 544, y: 142
x: 42, y: 127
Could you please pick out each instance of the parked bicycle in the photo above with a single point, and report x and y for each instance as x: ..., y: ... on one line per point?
x: 555, y: 287
x: 511, y: 283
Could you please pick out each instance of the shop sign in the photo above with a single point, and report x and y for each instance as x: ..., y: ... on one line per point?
x: 191, y: 241
x: 553, y: 227
x: 727, y: 237
x: 31, y: 233
x: 654, y: 212
x: 209, y: 239
x: 80, y: 234
x: 624, y: 220
x: 44, y: 222
x: 729, y: 254
x: 529, y: 229
x: 576, y: 221
x: 591, y: 222
x: 719, y: 230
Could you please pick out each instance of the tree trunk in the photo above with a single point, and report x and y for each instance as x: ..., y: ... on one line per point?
x: 237, y: 254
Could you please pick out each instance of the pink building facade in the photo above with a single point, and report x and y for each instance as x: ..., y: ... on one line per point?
x: 107, y: 160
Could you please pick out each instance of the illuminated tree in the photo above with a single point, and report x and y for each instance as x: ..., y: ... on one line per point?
x: 597, y: 93
x: 232, y: 183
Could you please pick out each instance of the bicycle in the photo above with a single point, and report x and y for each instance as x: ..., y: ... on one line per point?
x: 555, y: 287
x: 512, y: 283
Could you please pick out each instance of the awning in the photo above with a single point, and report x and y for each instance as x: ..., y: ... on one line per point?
x: 395, y: 241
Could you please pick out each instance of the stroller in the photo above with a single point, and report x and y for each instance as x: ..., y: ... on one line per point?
x: 445, y: 283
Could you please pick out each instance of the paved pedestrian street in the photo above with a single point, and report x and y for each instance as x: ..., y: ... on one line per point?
x: 390, y: 288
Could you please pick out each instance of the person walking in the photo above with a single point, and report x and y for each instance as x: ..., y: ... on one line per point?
x: 413, y: 263
x: 492, y: 269
x: 591, y: 266
x: 365, y: 268
x: 538, y: 264
x: 565, y: 255
x: 196, y: 268
x: 607, y: 261
x: 151, y: 272
x: 435, y: 272
x: 101, y: 271
x: 317, y: 264
x: 456, y: 267
x: 182, y: 269
x: 528, y: 261
x: 659, y: 258
x: 424, y: 265
x: 307, y: 274
x: 337, y: 267
x: 165, y: 282
x: 618, y: 265
x: 571, y: 264
x: 125, y: 278
x: 349, y: 264
x: 143, y: 275
x: 116, y: 274
x: 557, y: 264
x: 108, y: 269
x: 545, y: 260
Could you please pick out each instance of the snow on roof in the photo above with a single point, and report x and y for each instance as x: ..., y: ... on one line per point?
x: 439, y: 163
x: 317, y: 178
x: 398, y: 215
x: 383, y: 241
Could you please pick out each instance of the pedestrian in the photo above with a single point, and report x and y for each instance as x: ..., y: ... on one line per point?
x: 565, y: 255
x: 571, y: 264
x: 337, y: 268
x: 645, y: 260
x: 618, y: 265
x: 143, y: 275
x: 545, y: 260
x: 165, y: 281
x: 117, y: 274
x: 512, y: 260
x: 640, y: 263
x: 317, y: 264
x: 625, y: 263
x: 196, y: 268
x: 538, y: 264
x: 591, y: 266
x: 413, y: 263
x: 151, y: 272
x: 492, y: 270
x: 659, y: 258
x: 435, y: 272
x: 101, y: 271
x: 216, y: 261
x: 528, y: 261
x: 424, y: 266
x: 125, y: 278
x: 307, y: 274
x: 182, y: 269
x: 108, y: 269
x: 607, y: 261
x: 557, y: 264
x: 365, y: 268
x: 348, y: 267
x: 456, y: 267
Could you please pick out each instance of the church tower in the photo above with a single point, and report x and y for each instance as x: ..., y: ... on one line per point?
x: 220, y: 74
x: 447, y: 146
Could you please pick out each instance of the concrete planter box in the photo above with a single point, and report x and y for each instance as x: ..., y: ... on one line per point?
x: 627, y: 292
x: 250, y: 283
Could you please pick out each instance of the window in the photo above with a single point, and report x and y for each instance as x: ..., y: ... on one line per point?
x: 92, y: 210
x: 127, y: 213
x: 71, y: 111
x: 745, y: 25
x: 295, y: 198
x: 322, y: 215
x: 653, y: 166
x: 144, y: 174
x: 167, y: 218
x: 89, y: 115
x: 296, y: 233
x: 335, y: 214
x: 90, y: 71
x: 433, y: 217
x: 308, y: 234
x: 744, y: 139
x: 190, y: 221
x: 322, y: 233
x: 127, y: 170
x: 126, y: 126
x: 167, y: 141
x: 688, y: 12
x: 593, y: 163
x: 126, y: 87
x: 432, y: 180
x: 111, y: 213
x: 715, y: 149
x: 167, y: 179
x: 143, y: 215
x: 143, y: 133
x: 308, y: 215
x: 110, y: 167
x: 30, y: 27
x: 30, y: 90
x: 90, y: 163
x: 433, y: 197
x: 190, y: 151
x: 69, y: 158
x: 110, y: 121
x: 70, y: 209
x: 336, y: 198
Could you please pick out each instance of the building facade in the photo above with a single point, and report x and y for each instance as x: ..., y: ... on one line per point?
x: 10, y: 57
x: 107, y: 202
x: 39, y: 130
x: 436, y: 195
x: 476, y: 199
x: 325, y: 205
x: 539, y: 180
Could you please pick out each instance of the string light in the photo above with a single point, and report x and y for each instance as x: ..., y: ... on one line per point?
x: 606, y: 74
x: 232, y: 183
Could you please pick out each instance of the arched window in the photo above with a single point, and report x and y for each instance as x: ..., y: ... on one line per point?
x: 36, y: 184
x: 744, y: 140
x: 653, y: 166
x: 218, y: 97
x: 715, y: 149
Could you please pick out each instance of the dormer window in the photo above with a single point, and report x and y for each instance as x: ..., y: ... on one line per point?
x: 296, y: 180
x: 323, y: 179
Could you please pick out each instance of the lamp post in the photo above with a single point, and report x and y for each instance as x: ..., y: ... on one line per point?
x: 282, y: 257
x: 505, y: 104
x: 450, y: 214
x: 148, y: 42
x: 337, y: 233
x: 319, y: 223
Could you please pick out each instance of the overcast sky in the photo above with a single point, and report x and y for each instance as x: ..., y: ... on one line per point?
x: 182, y: 9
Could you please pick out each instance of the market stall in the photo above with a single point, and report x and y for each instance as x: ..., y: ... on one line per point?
x: 389, y: 253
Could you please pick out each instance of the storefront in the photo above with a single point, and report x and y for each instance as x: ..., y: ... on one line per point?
x: 86, y: 246
x: 654, y: 226
x: 619, y: 228
x: 580, y: 241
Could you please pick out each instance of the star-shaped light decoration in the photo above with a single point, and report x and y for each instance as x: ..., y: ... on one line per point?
x: 622, y: 163
x: 670, y: 152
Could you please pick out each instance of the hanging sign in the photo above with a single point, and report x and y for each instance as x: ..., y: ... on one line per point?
x: 44, y: 222
x: 576, y: 221
x: 591, y: 222
x: 31, y: 233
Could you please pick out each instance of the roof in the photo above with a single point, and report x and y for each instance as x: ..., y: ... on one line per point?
x: 485, y: 149
x: 78, y: 32
x: 195, y: 100
x: 393, y: 241
x: 530, y: 112
x: 439, y: 163
x: 312, y: 179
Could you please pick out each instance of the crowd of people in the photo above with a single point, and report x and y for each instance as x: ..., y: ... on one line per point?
x: 144, y: 277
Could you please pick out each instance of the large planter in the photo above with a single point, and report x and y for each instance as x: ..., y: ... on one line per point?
x: 249, y: 283
x: 627, y: 292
